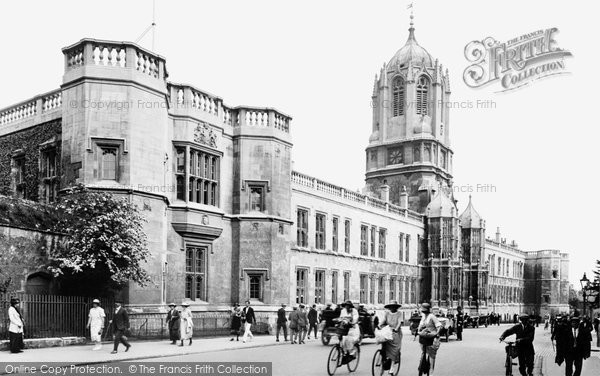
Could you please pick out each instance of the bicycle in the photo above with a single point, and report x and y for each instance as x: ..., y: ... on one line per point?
x: 338, y: 357
x: 424, y: 363
x: 377, y: 364
x: 511, y: 353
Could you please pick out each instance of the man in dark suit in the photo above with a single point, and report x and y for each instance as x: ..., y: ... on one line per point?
x: 249, y: 319
x: 120, y: 324
x: 460, y: 322
x: 313, y: 320
x: 573, y: 345
x: 281, y: 323
x: 525, y: 333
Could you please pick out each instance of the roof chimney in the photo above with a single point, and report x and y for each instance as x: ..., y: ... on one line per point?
x: 497, y: 234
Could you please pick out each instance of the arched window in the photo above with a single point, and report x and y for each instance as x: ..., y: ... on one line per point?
x: 398, y: 96
x: 422, y: 96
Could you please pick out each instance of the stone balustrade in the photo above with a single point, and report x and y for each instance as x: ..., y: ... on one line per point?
x: 123, y: 55
x: 262, y: 117
x: 357, y: 199
x: 39, y: 105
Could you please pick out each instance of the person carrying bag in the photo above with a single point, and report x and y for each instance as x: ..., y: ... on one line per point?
x: 428, y: 332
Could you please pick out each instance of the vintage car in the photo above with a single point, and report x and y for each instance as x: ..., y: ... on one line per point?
x: 476, y: 321
x: 367, y: 322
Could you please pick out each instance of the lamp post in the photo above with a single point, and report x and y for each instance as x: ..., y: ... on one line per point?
x: 584, y: 283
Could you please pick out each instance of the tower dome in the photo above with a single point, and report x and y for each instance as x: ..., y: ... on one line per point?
x: 441, y: 205
x: 411, y: 53
x: 470, y: 218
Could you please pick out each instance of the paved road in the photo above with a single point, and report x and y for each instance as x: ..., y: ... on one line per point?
x: 479, y: 354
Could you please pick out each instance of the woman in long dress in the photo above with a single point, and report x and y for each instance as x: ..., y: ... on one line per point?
x: 186, y: 325
x: 96, y: 319
x: 15, y: 329
x: 349, y: 315
x: 236, y: 322
x: 429, y: 326
x: 392, y: 349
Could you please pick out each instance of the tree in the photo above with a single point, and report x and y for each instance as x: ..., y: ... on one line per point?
x: 106, y: 245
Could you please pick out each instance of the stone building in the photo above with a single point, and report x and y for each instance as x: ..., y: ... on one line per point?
x: 228, y: 219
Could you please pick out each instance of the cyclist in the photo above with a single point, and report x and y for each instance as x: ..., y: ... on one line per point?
x: 428, y: 331
x: 524, y: 332
x: 391, y: 350
x: 349, y: 318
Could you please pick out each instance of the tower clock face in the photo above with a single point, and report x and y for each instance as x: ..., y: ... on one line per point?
x: 395, y: 156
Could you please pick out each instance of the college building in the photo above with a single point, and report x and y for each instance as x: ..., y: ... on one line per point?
x: 230, y: 220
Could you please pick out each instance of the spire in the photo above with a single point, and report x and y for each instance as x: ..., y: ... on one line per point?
x: 411, y: 30
x: 375, y: 86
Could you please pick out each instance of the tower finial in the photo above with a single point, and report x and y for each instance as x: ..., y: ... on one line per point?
x: 412, y: 15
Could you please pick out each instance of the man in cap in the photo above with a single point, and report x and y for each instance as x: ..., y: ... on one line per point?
x: 173, y: 323
x: 96, y: 319
x: 524, y: 333
x: 428, y: 331
x: 281, y: 323
x: 120, y: 324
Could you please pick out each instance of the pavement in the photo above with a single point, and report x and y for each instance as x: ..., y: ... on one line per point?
x: 478, y: 354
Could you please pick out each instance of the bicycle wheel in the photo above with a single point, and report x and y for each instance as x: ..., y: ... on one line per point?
x: 353, y: 364
x: 377, y: 364
x: 334, y: 359
x: 508, y: 365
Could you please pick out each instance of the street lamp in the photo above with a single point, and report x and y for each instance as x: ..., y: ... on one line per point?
x: 584, y: 283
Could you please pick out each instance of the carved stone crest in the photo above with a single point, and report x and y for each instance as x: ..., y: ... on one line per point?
x: 204, y: 134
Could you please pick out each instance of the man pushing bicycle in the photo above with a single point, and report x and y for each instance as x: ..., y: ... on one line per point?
x: 525, y: 333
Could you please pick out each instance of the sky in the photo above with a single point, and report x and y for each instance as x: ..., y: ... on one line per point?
x: 535, y: 148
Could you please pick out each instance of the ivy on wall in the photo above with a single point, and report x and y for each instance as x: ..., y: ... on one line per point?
x: 29, y: 141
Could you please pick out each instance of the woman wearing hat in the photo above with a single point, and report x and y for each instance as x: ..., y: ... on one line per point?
x: 392, y: 349
x: 428, y: 330
x: 186, y: 326
x: 96, y: 319
x: 236, y: 322
x: 349, y: 315
x: 15, y: 330
x: 173, y: 323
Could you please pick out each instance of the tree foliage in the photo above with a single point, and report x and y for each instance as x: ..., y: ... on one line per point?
x: 106, y: 243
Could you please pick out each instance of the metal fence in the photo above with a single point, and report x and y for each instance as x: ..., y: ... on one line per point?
x: 50, y: 315
x: 66, y: 316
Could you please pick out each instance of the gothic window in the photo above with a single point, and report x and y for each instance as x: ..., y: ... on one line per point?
x: 372, y: 290
x: 19, y: 175
x: 381, y: 291
x: 401, y: 246
x: 364, y: 287
x: 49, y: 184
x: 395, y: 156
x: 373, y: 232
x: 301, y: 285
x: 108, y: 168
x: 407, y: 252
x: 334, y: 237
x: 346, y: 286
x: 347, y: 236
x: 195, y: 269
x: 202, y: 177
x: 417, y: 153
x: 382, y: 235
x: 363, y: 240
x: 302, y: 228
x: 398, y: 96
x: 374, y: 156
x: 319, y: 286
x: 334, y: 286
x: 320, y: 231
x: 422, y: 95
x: 392, y: 288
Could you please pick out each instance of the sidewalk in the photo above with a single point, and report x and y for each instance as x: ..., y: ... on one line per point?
x: 139, y: 350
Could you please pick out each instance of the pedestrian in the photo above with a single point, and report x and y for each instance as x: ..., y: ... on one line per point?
x: 328, y: 315
x: 460, y: 322
x: 392, y: 349
x: 546, y: 321
x: 15, y: 329
x: 120, y: 323
x: 186, y: 324
x: 349, y: 318
x: 281, y: 323
x: 573, y: 345
x: 524, y: 332
x: 236, y: 322
x: 294, y: 316
x: 96, y: 319
x: 428, y: 330
x: 249, y: 319
x: 597, y: 328
x: 302, y: 324
x: 313, y: 320
x: 173, y: 323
